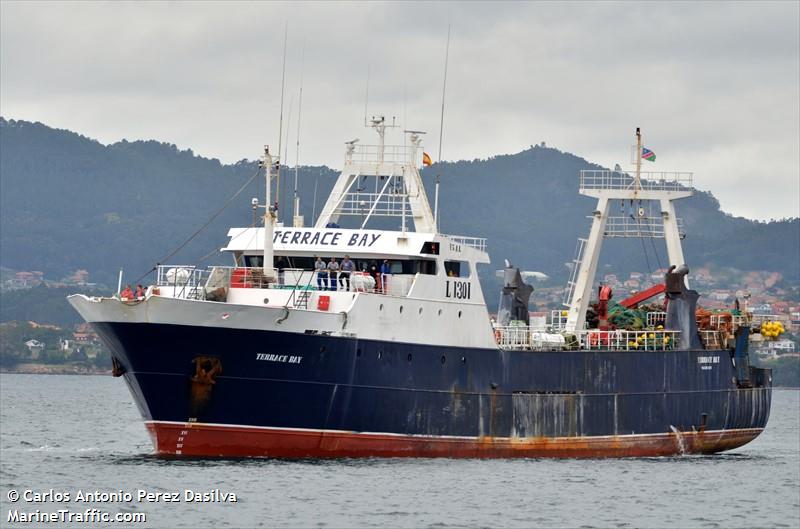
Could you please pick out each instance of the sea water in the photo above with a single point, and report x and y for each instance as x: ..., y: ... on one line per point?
x: 76, y: 444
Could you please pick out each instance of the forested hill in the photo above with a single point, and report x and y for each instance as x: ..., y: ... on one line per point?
x: 69, y: 202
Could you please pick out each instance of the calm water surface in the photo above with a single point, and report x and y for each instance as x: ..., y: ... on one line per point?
x: 71, y: 433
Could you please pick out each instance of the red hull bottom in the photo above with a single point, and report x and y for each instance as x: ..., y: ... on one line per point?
x: 216, y: 440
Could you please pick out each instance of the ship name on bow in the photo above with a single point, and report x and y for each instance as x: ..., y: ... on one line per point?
x: 286, y: 359
x: 704, y: 362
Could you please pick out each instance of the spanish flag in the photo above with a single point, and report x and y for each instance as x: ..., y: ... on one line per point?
x: 426, y: 159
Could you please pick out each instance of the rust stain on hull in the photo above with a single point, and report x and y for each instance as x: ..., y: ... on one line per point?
x: 209, y: 440
x: 207, y: 368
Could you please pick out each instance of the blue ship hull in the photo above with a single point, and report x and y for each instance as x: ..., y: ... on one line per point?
x: 208, y: 391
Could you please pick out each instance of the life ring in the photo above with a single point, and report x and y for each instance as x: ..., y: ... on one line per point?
x: 498, y: 335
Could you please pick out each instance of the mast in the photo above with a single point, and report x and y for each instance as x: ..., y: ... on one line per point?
x: 637, y: 182
x: 297, y: 219
x: 436, y: 205
x: 269, y: 217
x: 444, y: 87
x: 441, y: 131
x: 280, y: 124
x: 281, y: 211
x: 270, y: 209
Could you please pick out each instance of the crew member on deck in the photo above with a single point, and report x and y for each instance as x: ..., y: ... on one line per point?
x: 373, y: 273
x: 346, y: 268
x: 279, y: 266
x: 139, y: 292
x: 333, y: 274
x: 322, y: 273
x: 126, y: 294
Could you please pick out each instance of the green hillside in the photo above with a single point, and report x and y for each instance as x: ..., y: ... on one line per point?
x: 69, y: 202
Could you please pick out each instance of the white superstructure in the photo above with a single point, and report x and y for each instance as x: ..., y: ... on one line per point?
x: 412, y: 285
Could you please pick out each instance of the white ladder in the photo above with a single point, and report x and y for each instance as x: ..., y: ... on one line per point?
x: 576, y: 266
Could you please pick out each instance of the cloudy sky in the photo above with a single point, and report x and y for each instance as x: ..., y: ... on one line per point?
x: 715, y: 86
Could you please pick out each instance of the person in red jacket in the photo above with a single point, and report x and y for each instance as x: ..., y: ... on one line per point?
x: 127, y: 293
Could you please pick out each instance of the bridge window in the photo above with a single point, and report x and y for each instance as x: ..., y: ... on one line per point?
x: 302, y: 262
x: 456, y: 268
x: 253, y: 261
x: 306, y: 262
x: 411, y: 267
x: 431, y: 248
x: 426, y: 266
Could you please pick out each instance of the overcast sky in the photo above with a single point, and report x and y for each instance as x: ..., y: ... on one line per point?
x: 715, y: 86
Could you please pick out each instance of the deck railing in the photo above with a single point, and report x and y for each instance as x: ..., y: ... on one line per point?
x: 478, y: 243
x: 396, y: 154
x: 623, y: 340
x: 521, y: 337
x: 649, y: 181
x: 621, y: 226
x: 184, y: 281
x: 389, y: 204
x: 758, y: 319
x: 711, y: 339
x: 724, y: 319
x: 654, y: 319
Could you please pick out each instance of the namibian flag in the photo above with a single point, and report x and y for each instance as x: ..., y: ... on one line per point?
x: 648, y: 155
x: 426, y: 159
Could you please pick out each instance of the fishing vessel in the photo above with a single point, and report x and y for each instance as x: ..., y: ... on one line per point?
x: 276, y: 356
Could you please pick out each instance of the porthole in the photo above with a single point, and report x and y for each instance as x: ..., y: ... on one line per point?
x: 380, y: 354
x: 401, y: 309
x: 381, y: 307
x: 409, y: 357
x: 463, y: 359
x: 420, y: 310
x: 322, y: 349
x: 459, y: 313
x: 358, y: 352
x: 440, y: 312
x: 444, y: 359
x: 266, y: 301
